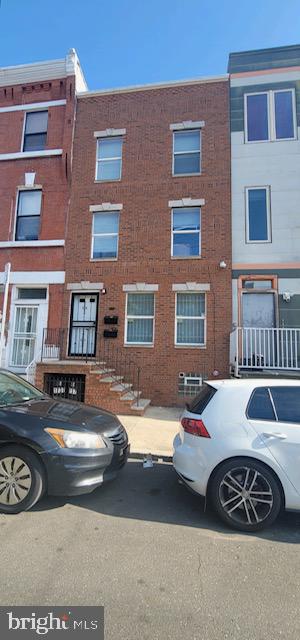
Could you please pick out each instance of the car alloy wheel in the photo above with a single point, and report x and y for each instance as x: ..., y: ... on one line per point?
x: 15, y: 480
x: 246, y: 495
x: 22, y: 478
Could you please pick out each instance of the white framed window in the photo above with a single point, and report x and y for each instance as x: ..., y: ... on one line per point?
x: 105, y: 235
x: 258, y: 214
x: 35, y: 131
x: 109, y: 159
x: 186, y: 232
x: 139, y: 323
x: 187, y: 152
x: 28, y: 214
x: 190, y: 319
x: 270, y: 115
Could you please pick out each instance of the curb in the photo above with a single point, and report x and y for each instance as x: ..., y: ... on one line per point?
x: 156, y: 457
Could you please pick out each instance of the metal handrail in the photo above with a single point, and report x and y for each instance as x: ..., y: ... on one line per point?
x: 89, y: 345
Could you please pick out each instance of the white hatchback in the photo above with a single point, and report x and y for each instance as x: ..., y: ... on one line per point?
x: 239, y: 445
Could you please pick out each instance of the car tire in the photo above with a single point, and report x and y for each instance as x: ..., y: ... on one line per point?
x: 22, y: 479
x: 246, y: 508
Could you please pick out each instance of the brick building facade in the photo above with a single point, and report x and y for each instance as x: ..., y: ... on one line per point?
x: 149, y: 237
x: 37, y: 116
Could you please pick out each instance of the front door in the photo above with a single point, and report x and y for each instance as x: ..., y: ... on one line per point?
x: 83, y: 324
x: 258, y: 314
x: 24, y: 336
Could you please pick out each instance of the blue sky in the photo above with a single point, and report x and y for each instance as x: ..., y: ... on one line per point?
x: 123, y: 42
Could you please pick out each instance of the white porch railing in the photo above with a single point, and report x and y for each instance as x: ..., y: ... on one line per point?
x: 265, y: 348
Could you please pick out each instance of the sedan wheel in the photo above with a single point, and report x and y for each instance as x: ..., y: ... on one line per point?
x: 15, y: 480
x: 246, y: 495
x: 22, y: 479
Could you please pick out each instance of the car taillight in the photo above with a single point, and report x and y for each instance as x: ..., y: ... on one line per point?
x: 195, y: 427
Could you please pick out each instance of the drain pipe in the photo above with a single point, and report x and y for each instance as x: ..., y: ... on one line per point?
x: 4, y: 310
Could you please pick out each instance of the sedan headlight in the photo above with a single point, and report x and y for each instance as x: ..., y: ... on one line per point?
x: 76, y: 439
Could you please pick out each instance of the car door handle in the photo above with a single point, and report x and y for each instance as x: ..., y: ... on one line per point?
x: 279, y: 436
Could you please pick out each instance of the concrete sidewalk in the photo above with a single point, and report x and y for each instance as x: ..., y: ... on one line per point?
x: 154, y: 432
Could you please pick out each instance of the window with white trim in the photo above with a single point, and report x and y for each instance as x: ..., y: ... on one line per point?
x: 28, y: 214
x: 105, y: 235
x: 186, y: 232
x: 35, y: 131
x: 109, y: 158
x: 258, y: 220
x: 186, y: 152
x: 139, y: 327
x: 190, y: 319
x: 270, y: 115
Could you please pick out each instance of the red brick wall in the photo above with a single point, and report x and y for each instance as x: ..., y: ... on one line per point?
x: 52, y: 173
x: 145, y: 221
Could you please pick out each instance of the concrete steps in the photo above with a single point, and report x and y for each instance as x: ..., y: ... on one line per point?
x: 123, y: 396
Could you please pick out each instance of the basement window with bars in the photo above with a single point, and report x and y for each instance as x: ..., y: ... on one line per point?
x: 139, y: 327
x: 35, y: 131
x: 190, y: 319
x: 28, y: 215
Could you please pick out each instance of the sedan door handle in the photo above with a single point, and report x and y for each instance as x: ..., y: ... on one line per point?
x: 279, y: 436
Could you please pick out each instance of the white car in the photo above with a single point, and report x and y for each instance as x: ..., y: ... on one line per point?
x: 239, y: 445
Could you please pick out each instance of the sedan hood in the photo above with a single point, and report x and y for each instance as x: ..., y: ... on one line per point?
x: 71, y: 414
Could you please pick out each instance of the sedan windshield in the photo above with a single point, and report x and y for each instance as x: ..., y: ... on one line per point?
x: 14, y: 390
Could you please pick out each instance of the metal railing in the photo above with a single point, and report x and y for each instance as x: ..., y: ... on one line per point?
x: 88, y: 345
x: 265, y: 348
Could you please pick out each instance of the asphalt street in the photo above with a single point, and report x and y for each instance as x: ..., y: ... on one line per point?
x: 163, y: 568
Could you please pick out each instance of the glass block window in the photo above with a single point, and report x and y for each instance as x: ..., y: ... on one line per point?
x: 190, y: 319
x: 35, y: 131
x: 109, y: 159
x: 105, y: 235
x: 139, y: 318
x: 187, y: 152
x: 28, y: 215
x: 186, y: 239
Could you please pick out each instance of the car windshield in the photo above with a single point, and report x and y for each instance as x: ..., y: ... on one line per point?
x: 14, y: 390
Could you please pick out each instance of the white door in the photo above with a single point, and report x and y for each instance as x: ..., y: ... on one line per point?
x: 25, y: 335
x: 83, y: 324
x: 282, y: 433
x: 258, y: 314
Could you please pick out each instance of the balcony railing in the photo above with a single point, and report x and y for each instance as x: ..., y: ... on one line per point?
x: 265, y: 348
x: 88, y: 345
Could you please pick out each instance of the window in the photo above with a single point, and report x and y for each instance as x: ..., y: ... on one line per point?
x: 258, y: 284
x: 258, y: 214
x: 139, y: 318
x: 32, y: 294
x: 287, y: 403
x: 260, y: 405
x: 186, y: 156
x: 202, y: 399
x: 190, y: 319
x: 109, y: 159
x: 28, y: 215
x: 105, y: 235
x: 186, y: 239
x: 35, y: 132
x: 270, y: 115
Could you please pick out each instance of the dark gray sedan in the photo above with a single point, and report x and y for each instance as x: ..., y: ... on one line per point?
x: 59, y: 447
